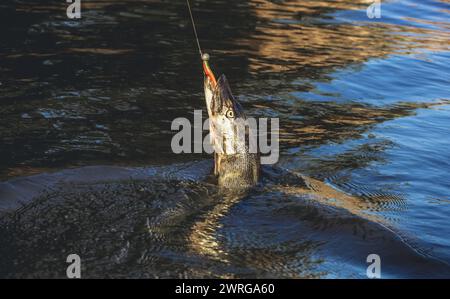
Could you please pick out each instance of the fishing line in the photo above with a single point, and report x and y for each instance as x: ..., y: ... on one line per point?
x: 195, y: 29
x: 204, y: 57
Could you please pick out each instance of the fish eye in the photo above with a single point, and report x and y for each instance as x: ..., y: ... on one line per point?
x: 230, y: 114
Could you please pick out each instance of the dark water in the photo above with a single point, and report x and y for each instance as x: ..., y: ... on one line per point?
x: 364, y: 106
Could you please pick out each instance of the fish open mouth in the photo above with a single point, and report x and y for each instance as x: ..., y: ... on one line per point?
x: 226, y: 115
x: 219, y: 98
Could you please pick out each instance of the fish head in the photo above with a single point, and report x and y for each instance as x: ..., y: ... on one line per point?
x: 227, y: 120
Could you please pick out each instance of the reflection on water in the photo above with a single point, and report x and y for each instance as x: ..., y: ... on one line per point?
x: 292, y: 35
x: 363, y: 105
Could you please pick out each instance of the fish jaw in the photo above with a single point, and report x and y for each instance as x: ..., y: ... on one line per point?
x: 227, y: 121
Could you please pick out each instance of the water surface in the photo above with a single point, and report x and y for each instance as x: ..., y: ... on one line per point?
x: 364, y: 106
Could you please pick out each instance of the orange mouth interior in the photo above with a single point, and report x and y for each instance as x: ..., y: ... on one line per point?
x: 209, y: 73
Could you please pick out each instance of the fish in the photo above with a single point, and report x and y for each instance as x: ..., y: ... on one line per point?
x: 236, y: 167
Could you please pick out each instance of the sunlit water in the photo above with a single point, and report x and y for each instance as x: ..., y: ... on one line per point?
x: 364, y: 106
